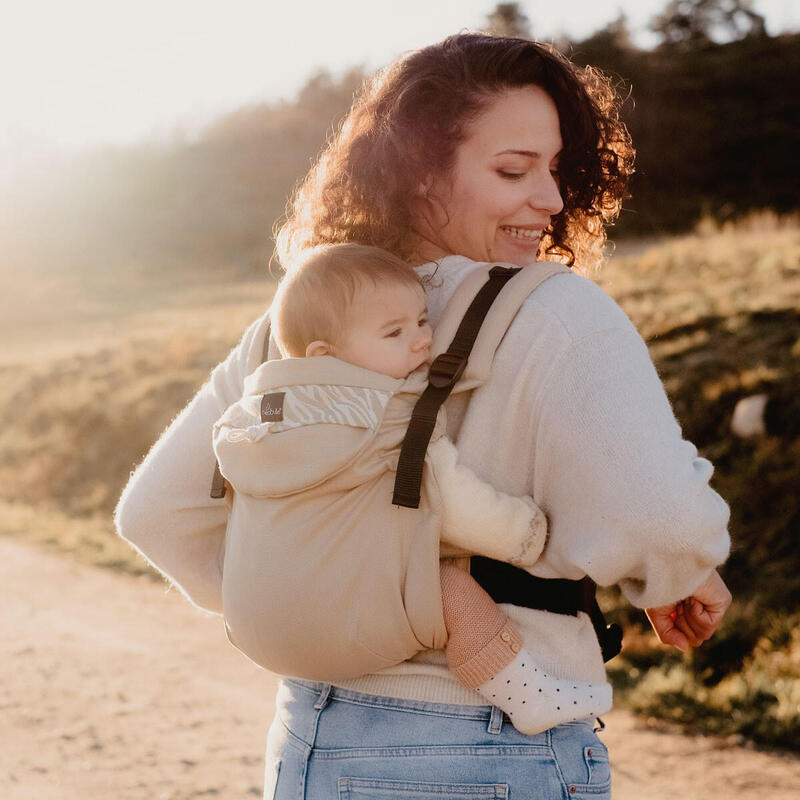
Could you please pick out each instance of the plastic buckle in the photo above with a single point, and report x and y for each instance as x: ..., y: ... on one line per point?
x: 445, y: 370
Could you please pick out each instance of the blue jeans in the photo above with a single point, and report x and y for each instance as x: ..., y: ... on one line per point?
x: 331, y: 744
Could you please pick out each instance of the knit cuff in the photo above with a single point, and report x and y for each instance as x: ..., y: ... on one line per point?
x: 498, y: 653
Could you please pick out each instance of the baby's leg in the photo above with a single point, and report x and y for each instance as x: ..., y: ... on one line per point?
x: 485, y: 653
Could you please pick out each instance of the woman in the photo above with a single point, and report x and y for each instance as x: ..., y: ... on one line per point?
x: 479, y: 149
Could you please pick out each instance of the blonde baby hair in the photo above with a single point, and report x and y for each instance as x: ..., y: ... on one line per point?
x: 319, y: 288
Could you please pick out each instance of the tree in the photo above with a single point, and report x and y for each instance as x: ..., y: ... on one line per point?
x: 616, y: 35
x: 508, y: 19
x: 686, y: 23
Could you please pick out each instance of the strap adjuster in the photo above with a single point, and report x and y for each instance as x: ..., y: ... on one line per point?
x: 446, y: 369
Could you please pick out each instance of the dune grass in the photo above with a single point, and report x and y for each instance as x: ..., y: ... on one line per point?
x: 84, y: 399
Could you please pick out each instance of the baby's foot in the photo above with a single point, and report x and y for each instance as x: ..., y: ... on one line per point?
x: 536, y: 701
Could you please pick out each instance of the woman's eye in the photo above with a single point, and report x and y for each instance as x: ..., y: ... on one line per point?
x: 395, y: 332
x: 510, y: 176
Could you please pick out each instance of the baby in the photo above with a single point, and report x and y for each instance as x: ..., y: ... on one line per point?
x: 363, y: 307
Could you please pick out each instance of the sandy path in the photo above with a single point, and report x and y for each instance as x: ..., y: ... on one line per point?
x: 111, y: 687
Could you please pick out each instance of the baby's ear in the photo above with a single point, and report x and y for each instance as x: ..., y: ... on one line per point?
x: 425, y: 185
x: 318, y: 348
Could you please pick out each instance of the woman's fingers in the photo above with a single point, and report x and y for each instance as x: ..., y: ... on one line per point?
x: 706, y: 607
x: 692, y: 621
x: 663, y: 620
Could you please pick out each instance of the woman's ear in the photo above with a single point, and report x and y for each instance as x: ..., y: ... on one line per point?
x: 318, y: 348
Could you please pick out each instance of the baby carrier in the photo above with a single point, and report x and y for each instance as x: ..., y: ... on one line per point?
x: 332, y: 552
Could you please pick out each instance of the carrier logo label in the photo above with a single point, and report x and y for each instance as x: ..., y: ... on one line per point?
x: 272, y: 407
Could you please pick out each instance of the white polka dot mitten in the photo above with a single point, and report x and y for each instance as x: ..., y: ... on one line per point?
x: 536, y: 701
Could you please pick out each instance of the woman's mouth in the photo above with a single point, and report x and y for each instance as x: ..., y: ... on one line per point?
x: 525, y: 236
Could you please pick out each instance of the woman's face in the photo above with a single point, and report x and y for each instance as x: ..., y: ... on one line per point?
x: 503, y: 188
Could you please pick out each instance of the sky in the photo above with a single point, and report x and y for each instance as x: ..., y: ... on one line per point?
x: 77, y: 74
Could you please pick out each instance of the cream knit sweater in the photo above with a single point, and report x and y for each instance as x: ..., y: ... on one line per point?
x: 573, y: 414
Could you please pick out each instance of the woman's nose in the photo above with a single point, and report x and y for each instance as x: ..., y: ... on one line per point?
x: 547, y: 196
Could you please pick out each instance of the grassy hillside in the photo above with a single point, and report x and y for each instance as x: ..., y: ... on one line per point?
x: 89, y: 377
x: 721, y: 313
x: 92, y: 373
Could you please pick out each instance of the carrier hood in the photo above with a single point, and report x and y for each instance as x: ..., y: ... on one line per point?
x: 301, y: 421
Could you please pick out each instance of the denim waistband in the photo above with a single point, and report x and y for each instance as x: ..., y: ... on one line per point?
x: 330, y: 692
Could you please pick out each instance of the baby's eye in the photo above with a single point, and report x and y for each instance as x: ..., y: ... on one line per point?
x: 395, y: 332
x: 423, y: 321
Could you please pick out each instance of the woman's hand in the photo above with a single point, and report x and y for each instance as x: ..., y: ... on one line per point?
x: 690, y: 622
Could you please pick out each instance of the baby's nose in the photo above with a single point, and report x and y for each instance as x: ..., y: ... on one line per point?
x: 424, y: 340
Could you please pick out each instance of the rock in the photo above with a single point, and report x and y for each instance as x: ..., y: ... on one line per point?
x: 748, y: 416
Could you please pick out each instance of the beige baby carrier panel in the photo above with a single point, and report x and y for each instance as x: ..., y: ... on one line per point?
x: 323, y: 577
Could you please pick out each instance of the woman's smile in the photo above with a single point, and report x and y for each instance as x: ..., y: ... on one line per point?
x: 524, y: 238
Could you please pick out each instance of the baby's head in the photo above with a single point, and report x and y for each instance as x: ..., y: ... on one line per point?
x: 360, y: 304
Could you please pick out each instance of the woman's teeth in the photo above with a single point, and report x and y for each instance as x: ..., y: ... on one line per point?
x: 522, y: 233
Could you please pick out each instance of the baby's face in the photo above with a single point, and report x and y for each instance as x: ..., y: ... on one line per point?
x: 387, y: 330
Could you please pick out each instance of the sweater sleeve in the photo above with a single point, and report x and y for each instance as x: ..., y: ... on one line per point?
x: 165, y: 511
x: 627, y: 497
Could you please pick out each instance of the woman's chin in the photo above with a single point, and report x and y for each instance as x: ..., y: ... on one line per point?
x: 516, y: 259
x: 519, y: 256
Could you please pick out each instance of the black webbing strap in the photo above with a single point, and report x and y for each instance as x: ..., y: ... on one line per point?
x: 609, y: 636
x: 218, y: 487
x: 445, y: 371
x: 506, y: 583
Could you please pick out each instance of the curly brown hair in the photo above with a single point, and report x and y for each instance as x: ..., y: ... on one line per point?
x: 408, y: 121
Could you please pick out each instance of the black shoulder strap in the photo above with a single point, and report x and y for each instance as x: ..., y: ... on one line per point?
x: 445, y: 371
x: 218, y: 487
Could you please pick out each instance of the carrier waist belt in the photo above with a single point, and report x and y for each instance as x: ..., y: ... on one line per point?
x: 508, y: 584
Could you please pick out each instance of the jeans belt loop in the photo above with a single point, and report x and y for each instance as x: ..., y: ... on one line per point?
x: 324, y: 697
x: 495, y: 721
